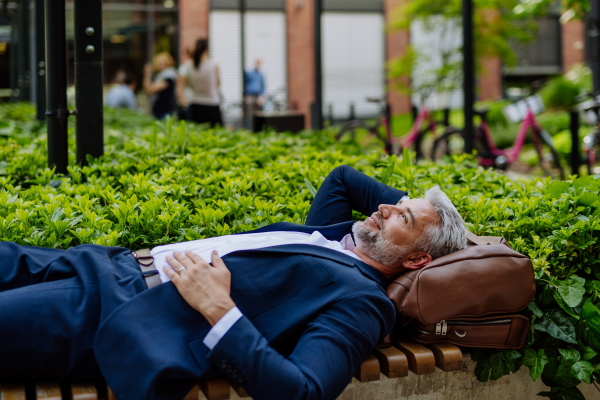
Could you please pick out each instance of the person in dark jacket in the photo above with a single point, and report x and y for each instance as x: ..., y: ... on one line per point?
x: 162, y: 88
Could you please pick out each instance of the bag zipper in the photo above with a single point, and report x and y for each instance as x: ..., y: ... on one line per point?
x: 441, y: 328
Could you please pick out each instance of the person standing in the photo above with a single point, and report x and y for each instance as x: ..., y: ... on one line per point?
x: 254, y: 91
x: 202, y: 75
x: 162, y: 88
x: 123, y: 95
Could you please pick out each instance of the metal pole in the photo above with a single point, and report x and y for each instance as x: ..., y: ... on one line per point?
x: 317, y: 107
x: 247, y: 123
x: 594, y: 42
x: 151, y: 28
x: 24, y: 74
x: 89, y: 125
x: 468, y: 73
x: 575, y: 154
x: 40, y: 60
x: 57, y: 112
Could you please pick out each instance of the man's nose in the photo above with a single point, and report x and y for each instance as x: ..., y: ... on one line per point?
x: 385, y: 210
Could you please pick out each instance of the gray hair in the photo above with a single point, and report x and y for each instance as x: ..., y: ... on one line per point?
x: 447, y: 234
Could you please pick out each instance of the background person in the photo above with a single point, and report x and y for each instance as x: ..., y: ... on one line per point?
x: 162, y: 88
x: 123, y: 95
x: 201, y: 74
x: 254, y: 90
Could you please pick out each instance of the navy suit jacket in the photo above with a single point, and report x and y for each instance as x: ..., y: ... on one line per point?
x: 311, y: 316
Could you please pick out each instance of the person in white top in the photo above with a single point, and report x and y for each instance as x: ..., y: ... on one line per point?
x: 201, y: 74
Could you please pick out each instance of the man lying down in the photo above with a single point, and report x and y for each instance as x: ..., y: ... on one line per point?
x: 286, y: 311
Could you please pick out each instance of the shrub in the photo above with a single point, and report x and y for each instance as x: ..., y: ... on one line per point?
x: 177, y: 183
x: 560, y: 93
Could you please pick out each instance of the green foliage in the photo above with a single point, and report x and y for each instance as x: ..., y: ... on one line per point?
x: 176, y: 182
x: 560, y: 93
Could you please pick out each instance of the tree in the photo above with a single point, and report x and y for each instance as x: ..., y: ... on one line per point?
x: 496, y: 23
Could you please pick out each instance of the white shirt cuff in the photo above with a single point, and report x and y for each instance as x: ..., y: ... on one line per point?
x: 222, y: 327
x: 405, y: 197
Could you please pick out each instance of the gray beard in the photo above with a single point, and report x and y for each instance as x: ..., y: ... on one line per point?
x: 377, y: 247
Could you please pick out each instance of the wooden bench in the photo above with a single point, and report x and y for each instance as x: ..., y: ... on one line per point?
x: 393, y: 360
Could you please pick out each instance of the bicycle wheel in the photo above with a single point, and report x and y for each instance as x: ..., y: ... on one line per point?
x: 348, y: 130
x: 451, y: 142
x: 548, y: 156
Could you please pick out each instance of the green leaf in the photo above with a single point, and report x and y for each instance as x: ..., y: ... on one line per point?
x: 563, y: 393
x: 583, y: 370
x: 556, y: 324
x: 572, y: 290
x: 535, y: 309
x: 591, y: 316
x: 570, y: 354
x: 482, y: 370
x: 556, y: 188
x: 535, y: 362
x: 389, y: 170
x: 310, y: 187
x: 564, y: 306
x: 497, y: 367
x: 587, y: 199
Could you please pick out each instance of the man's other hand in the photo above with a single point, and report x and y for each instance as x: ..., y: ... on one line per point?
x: 203, y: 286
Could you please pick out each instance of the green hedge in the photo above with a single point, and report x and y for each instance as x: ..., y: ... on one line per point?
x: 168, y: 183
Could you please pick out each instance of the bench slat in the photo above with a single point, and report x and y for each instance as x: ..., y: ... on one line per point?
x: 12, y: 391
x: 420, y: 359
x: 368, y: 370
x: 216, y: 388
x: 194, y: 394
x: 448, y: 357
x: 393, y: 362
x: 239, y: 390
x: 84, y: 391
x: 47, y: 391
x: 110, y: 395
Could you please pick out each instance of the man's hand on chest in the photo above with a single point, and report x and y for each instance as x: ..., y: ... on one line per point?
x: 205, y: 287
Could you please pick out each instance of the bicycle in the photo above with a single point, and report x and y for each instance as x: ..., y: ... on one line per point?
x: 392, y: 145
x: 488, y: 155
x: 591, y: 142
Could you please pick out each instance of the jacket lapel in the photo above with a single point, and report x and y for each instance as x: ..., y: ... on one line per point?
x: 331, y: 232
x: 323, y: 252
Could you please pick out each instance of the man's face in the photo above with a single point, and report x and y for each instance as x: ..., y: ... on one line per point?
x: 390, y: 235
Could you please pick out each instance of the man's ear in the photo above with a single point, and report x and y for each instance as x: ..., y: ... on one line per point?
x: 417, y: 260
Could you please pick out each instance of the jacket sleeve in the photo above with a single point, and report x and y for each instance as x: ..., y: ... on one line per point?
x: 329, y: 351
x: 346, y: 189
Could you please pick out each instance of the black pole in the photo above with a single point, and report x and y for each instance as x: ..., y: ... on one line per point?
x: 575, y: 154
x: 593, y: 33
x: 23, y: 63
x: 468, y: 73
x: 40, y: 60
x: 89, y: 125
x: 247, y: 119
x: 57, y: 112
x: 317, y: 106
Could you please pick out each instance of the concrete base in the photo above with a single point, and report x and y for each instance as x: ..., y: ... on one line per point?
x: 459, y: 385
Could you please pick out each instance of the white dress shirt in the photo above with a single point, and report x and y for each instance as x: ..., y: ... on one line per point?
x: 250, y: 241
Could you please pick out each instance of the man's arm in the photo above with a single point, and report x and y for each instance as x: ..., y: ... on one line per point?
x: 345, y: 189
x: 326, y: 356
x: 330, y: 349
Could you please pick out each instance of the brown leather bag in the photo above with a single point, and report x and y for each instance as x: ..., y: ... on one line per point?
x: 472, y: 293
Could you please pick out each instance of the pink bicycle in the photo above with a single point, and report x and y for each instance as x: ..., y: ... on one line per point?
x: 489, y: 155
x: 392, y: 145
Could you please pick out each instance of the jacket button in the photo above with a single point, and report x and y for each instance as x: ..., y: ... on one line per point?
x: 229, y: 368
x: 234, y: 374
x: 223, y: 364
